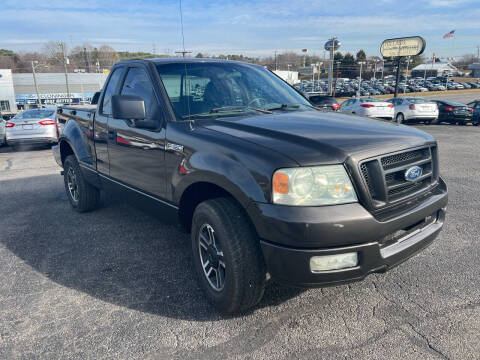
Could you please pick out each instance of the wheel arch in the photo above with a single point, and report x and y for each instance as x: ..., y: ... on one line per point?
x: 199, y: 192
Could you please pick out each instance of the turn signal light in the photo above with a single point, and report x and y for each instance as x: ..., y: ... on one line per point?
x: 367, y: 105
x: 280, y: 183
x: 47, y: 122
x: 448, y: 108
x: 9, y: 124
x: 390, y: 105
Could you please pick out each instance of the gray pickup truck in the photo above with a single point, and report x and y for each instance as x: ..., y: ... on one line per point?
x: 264, y: 182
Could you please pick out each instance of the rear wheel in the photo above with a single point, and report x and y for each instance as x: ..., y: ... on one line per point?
x: 82, y: 195
x: 227, y: 255
x: 400, y: 118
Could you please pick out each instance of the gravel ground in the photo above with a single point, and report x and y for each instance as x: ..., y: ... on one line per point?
x: 117, y: 283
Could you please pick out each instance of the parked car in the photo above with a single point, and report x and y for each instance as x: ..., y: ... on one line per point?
x: 324, y: 102
x: 263, y: 181
x: 36, y: 126
x: 370, y: 107
x: 414, y: 108
x: 2, y: 130
x: 475, y: 105
x: 454, y: 112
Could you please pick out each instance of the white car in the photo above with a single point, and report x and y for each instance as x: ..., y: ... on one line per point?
x: 37, y: 126
x: 414, y: 108
x: 371, y: 107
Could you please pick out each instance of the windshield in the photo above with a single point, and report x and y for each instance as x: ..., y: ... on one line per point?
x: 226, y: 89
x: 370, y: 100
x: 418, y: 100
x: 35, y: 114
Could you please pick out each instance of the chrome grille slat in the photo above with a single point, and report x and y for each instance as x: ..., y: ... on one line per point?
x: 386, y: 181
x: 416, y: 163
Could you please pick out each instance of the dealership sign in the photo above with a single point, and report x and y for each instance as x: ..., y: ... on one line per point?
x: 399, y: 47
x: 53, y: 98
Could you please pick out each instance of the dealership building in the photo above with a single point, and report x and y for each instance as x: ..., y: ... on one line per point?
x: 435, y: 69
x: 17, y: 91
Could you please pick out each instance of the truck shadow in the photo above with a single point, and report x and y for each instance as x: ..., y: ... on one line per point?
x: 117, y: 253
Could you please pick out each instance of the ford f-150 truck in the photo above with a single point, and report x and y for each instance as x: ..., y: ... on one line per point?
x: 267, y: 185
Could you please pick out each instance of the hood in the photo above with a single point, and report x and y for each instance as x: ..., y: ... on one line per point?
x: 315, y: 137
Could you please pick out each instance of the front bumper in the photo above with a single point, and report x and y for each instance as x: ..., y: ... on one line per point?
x: 290, y: 237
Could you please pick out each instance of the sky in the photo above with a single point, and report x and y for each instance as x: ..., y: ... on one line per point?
x: 254, y: 28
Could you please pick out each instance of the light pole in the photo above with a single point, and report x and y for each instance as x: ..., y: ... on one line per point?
x: 361, y: 63
x: 35, y: 64
x: 383, y: 67
x: 406, y: 74
x: 336, y: 77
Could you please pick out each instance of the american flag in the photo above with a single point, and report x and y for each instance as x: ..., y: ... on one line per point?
x: 449, y: 34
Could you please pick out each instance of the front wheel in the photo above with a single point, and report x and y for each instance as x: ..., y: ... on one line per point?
x: 227, y: 255
x: 82, y: 195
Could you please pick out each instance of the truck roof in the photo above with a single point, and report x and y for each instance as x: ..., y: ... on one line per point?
x: 180, y: 60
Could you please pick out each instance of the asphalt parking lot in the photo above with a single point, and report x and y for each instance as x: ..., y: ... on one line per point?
x: 117, y: 283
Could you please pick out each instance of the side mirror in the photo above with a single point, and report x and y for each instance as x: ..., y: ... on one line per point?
x: 128, y: 107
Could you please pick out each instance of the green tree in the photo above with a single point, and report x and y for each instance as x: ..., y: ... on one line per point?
x: 361, y: 56
x: 349, y: 69
x: 199, y: 55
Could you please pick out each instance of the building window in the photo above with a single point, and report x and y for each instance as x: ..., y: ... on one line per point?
x: 4, y: 105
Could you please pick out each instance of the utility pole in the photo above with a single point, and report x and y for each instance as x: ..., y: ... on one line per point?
x: 35, y: 82
x: 478, y: 52
x: 304, y: 56
x: 65, y: 62
x: 87, y: 64
x: 183, y: 52
x: 276, y: 67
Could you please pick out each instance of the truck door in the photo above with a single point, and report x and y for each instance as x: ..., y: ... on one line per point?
x: 136, y: 154
x: 99, y: 129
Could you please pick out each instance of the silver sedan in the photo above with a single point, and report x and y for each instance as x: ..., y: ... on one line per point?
x: 37, y: 126
x: 2, y: 131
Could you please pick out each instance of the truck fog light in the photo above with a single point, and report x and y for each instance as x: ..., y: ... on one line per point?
x: 333, y: 262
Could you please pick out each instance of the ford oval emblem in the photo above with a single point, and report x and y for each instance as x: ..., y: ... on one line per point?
x: 413, y: 173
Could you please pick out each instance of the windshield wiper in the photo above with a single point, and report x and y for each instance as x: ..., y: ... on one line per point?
x: 228, y: 109
x: 284, y: 107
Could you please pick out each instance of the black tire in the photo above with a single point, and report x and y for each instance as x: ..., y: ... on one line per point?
x: 243, y: 270
x: 82, y: 195
x: 400, y: 119
x: 427, y: 122
x: 435, y: 122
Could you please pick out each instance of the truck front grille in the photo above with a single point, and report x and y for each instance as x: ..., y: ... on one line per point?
x: 384, y: 176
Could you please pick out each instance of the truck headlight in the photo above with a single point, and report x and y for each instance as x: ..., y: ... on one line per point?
x: 313, y: 186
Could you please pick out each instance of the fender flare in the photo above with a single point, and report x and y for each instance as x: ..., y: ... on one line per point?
x: 222, y: 171
x: 73, y: 136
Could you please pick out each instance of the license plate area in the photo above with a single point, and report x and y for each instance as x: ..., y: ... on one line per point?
x: 27, y: 127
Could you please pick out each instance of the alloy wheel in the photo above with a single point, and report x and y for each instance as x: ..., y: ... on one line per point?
x: 211, y: 257
x: 72, y: 184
